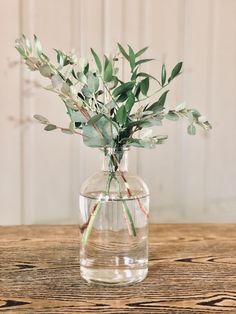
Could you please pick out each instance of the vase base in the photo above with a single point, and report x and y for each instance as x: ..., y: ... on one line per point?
x: 113, y: 277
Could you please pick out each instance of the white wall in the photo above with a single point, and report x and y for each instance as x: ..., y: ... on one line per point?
x: 190, y: 178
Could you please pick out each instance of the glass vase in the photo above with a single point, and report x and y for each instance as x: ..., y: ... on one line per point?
x: 114, y: 207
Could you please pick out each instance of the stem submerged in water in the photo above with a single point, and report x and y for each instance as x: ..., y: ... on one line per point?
x: 91, y: 221
x: 129, y: 219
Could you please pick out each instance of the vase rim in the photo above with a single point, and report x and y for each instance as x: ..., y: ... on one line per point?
x: 111, y: 149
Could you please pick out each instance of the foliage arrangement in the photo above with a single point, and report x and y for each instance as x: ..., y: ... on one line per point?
x: 105, y: 110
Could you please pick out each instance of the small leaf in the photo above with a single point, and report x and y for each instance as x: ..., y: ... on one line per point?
x: 67, y: 131
x: 77, y: 116
x: 82, y: 77
x: 21, y: 51
x: 93, y: 138
x: 130, y: 102
x: 140, y: 52
x: 50, y: 127
x: 137, y: 90
x: 125, y: 87
x: 28, y: 43
x: 175, y: 71
x: 143, y: 61
x: 180, y: 107
x: 171, y: 115
x: 108, y: 71
x: 57, y: 81
x: 95, y: 119
x: 191, y: 129
x: 131, y: 58
x: 38, y: 46
x: 93, y: 82
x: 146, y: 123
x: 142, y: 74
x: 144, y: 86
x: 86, y: 92
x: 124, y: 53
x: 163, y: 75
x: 158, y: 106
x: 41, y: 119
x: 97, y: 60
x: 122, y: 98
x: 121, y: 115
x: 45, y: 70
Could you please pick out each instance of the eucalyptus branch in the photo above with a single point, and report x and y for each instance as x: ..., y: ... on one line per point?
x: 102, y: 128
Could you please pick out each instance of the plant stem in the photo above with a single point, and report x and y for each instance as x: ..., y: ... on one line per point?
x: 130, y: 219
x: 91, y: 221
x: 128, y: 216
x: 142, y: 207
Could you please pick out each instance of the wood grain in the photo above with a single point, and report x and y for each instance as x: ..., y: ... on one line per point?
x: 192, y: 270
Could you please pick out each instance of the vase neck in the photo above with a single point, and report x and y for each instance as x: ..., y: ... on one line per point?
x: 115, y: 160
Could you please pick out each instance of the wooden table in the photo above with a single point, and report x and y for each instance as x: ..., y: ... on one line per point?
x: 192, y: 270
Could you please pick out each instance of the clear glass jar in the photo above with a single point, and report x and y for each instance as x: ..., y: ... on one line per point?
x: 114, y: 207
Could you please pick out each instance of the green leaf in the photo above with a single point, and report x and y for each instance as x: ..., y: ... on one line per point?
x: 21, y: 51
x: 158, y: 106
x: 67, y: 131
x: 122, y: 98
x: 41, y: 119
x: 93, y: 82
x: 121, y: 115
x: 77, y: 116
x: 163, y: 75
x: 124, y: 53
x: 97, y: 60
x: 130, y: 102
x: 144, y: 86
x: 93, y: 138
x: 150, y: 122
x: 50, y: 127
x: 131, y: 58
x: 38, y: 46
x: 191, y: 129
x: 175, y: 71
x: 27, y: 43
x: 171, y: 115
x: 140, y: 52
x: 148, y: 142
x: 108, y: 71
x: 82, y: 77
x: 45, y: 70
x: 137, y: 90
x: 123, y: 88
x: 143, y: 61
x: 143, y: 74
x: 86, y: 92
x: 95, y: 118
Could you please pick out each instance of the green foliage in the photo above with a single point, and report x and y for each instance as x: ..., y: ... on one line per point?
x: 163, y: 75
x: 104, y: 108
x: 97, y: 60
x: 121, y: 115
x: 158, y: 106
x: 108, y: 71
x: 50, y: 127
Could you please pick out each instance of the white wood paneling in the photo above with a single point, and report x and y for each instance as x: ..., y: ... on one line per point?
x: 190, y: 178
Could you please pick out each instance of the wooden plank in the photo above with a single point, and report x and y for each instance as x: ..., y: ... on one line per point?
x: 191, y: 270
x: 10, y: 117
